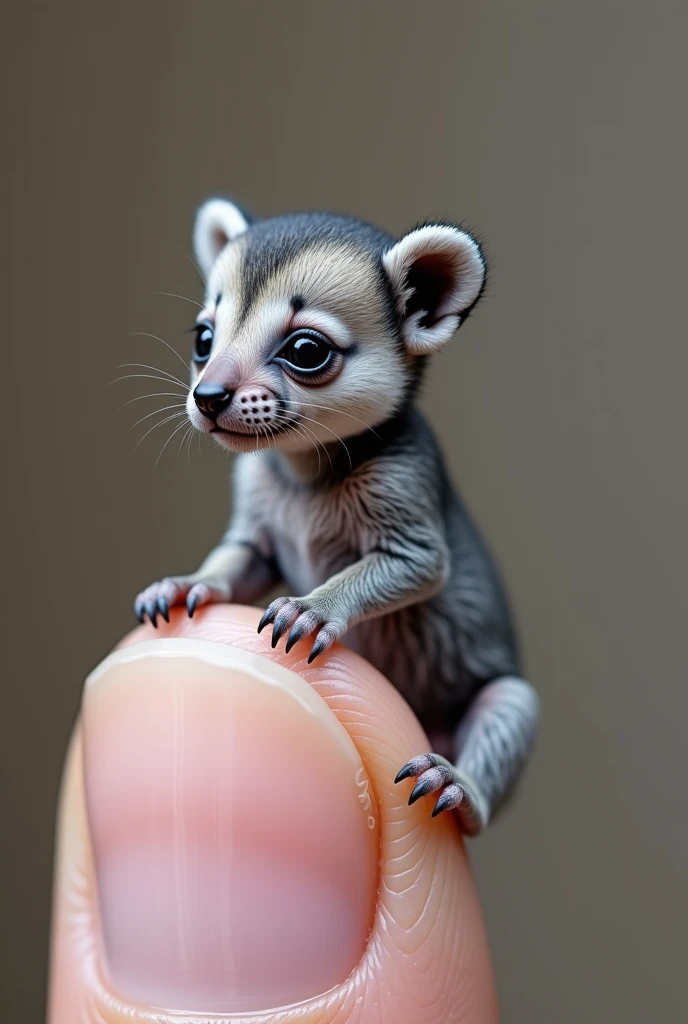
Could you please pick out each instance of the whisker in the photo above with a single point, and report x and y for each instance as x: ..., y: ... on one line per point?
x: 188, y: 449
x: 176, y: 295
x: 270, y: 440
x: 317, y: 440
x: 179, y: 449
x: 149, y: 376
x: 184, y: 437
x: 286, y: 419
x: 191, y: 260
x: 175, y: 431
x: 145, y: 334
x: 317, y: 450
x: 167, y: 419
x: 175, y: 405
x: 337, y: 412
x: 147, y: 366
x: 311, y: 420
x: 200, y: 447
x: 154, y: 394
x: 268, y: 437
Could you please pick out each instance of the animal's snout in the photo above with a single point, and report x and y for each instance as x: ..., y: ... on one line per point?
x: 257, y: 406
x: 211, y: 399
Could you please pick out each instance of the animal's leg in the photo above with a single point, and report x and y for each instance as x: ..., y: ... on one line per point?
x: 231, y: 572
x: 492, y: 742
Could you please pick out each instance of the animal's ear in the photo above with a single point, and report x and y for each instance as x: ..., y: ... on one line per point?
x: 218, y: 221
x: 437, y: 273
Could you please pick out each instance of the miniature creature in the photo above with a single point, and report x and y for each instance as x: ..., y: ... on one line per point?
x: 308, y: 355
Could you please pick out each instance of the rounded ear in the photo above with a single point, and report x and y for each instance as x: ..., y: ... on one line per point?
x: 218, y: 222
x: 437, y: 273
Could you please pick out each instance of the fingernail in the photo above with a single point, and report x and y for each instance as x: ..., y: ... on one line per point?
x: 234, y: 837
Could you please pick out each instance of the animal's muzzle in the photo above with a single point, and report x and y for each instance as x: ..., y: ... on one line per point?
x: 212, y: 399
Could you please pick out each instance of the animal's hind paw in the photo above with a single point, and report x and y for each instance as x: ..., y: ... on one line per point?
x: 457, y: 792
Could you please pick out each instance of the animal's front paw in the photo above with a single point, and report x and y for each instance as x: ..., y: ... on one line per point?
x: 302, y: 617
x: 457, y: 793
x: 193, y: 591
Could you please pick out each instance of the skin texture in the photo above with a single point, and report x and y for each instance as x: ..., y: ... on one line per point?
x: 425, y: 959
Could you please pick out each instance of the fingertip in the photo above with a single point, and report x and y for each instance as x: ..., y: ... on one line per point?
x: 240, y: 712
x: 426, y: 957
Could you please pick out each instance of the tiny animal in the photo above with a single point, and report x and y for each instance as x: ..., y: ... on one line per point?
x: 308, y: 355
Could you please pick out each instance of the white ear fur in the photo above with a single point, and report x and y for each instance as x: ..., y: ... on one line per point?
x: 448, y: 256
x: 217, y: 222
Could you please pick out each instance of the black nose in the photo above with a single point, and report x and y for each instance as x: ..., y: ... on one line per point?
x: 211, y: 399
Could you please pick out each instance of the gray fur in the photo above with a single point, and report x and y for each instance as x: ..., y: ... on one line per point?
x: 272, y: 243
x: 372, y: 541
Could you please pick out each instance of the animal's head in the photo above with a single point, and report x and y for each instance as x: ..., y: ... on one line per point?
x: 317, y: 326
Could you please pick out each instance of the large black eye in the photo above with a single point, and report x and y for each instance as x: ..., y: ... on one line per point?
x: 306, y: 351
x: 204, y: 341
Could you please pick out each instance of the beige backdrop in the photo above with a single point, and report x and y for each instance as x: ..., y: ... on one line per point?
x: 558, y: 130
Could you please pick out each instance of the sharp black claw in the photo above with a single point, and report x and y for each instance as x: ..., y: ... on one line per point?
x: 164, y: 609
x: 282, y: 624
x: 291, y: 640
x: 443, y: 804
x: 316, y: 650
x: 405, y: 773
x: 139, y: 612
x: 266, y: 617
x: 152, y: 611
x: 191, y: 605
x: 419, y: 790
x: 440, y: 806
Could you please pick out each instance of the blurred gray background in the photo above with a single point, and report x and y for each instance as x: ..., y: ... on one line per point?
x: 558, y: 131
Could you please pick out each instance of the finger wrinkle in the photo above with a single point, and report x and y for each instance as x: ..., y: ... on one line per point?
x: 425, y: 961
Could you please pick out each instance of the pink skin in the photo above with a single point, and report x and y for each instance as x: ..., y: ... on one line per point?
x: 247, y: 423
x: 202, y: 777
x: 239, y: 844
